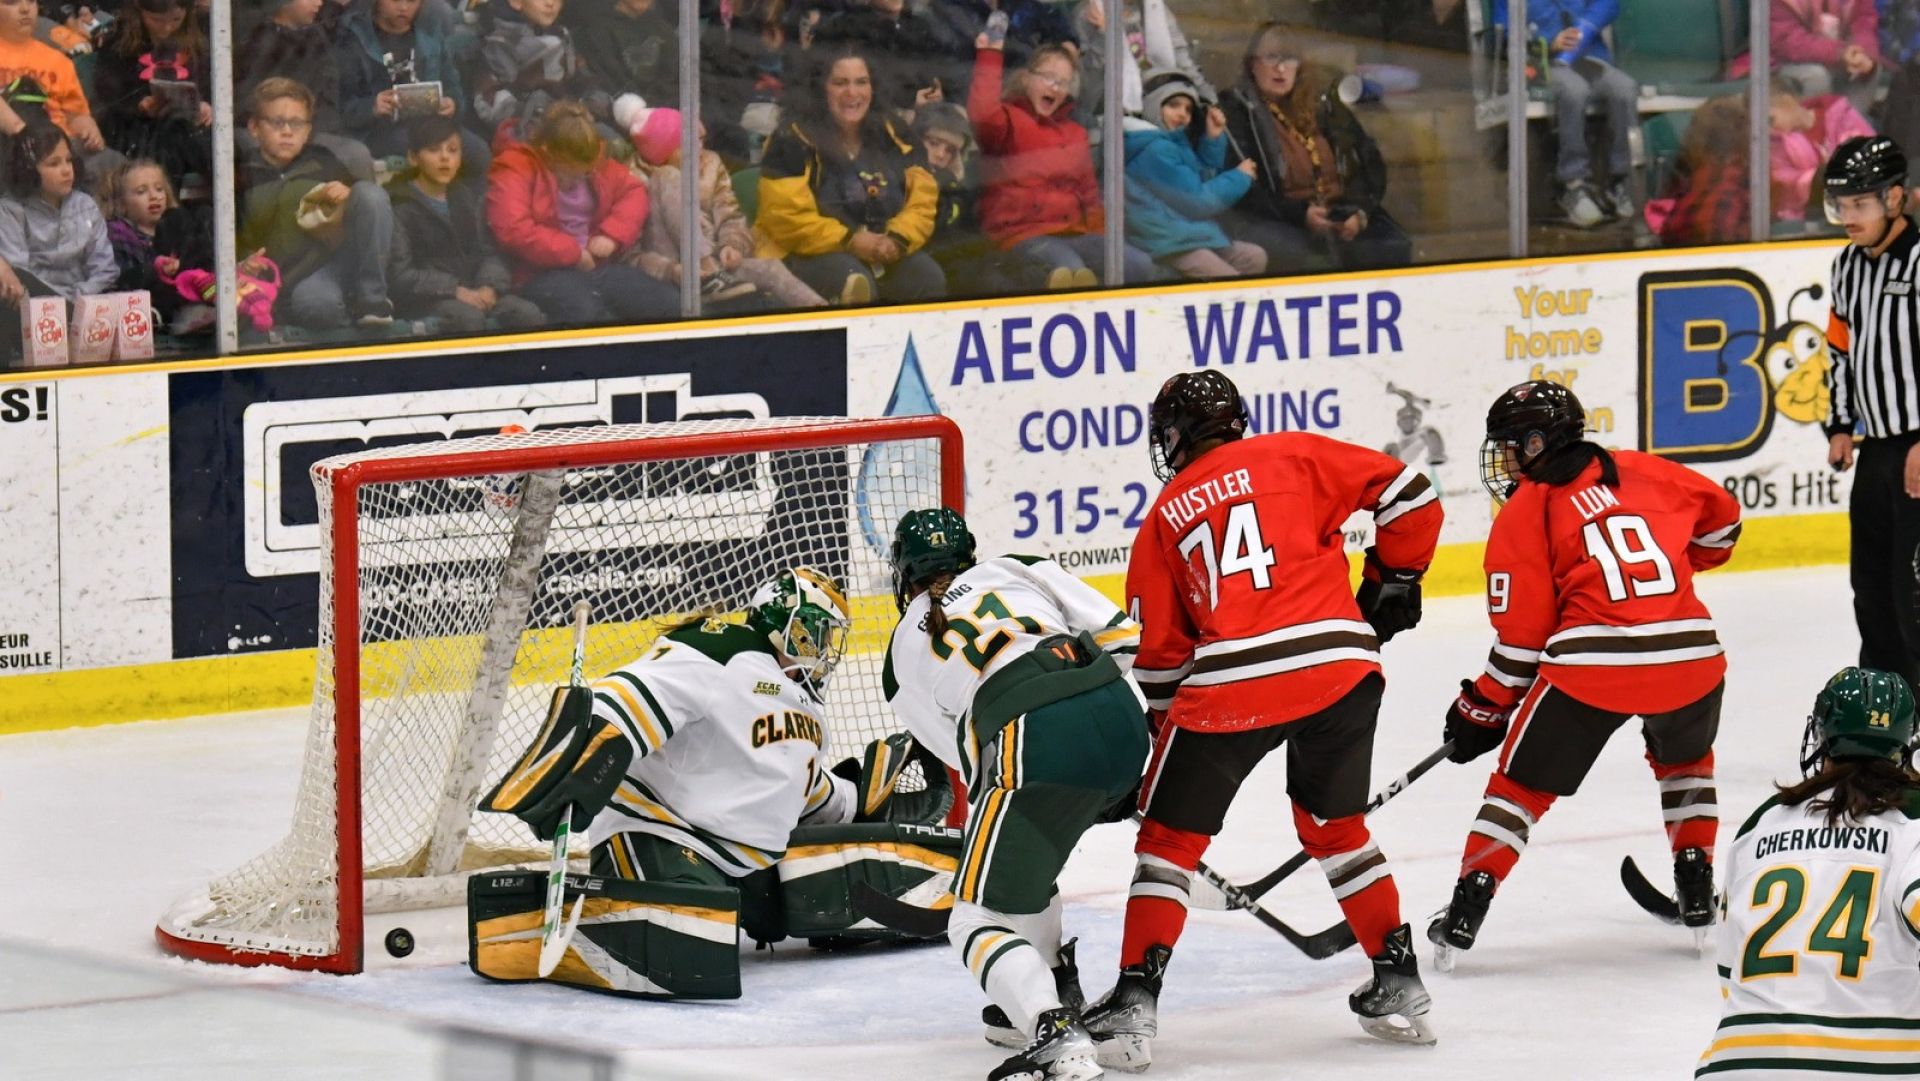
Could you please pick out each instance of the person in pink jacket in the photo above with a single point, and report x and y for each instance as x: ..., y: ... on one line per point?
x: 563, y: 212
x: 1830, y: 47
x: 1805, y: 135
x: 1039, y: 198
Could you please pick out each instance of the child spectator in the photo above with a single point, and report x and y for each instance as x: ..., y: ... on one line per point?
x: 974, y: 267
x: 292, y: 44
x: 1039, y: 198
x: 1031, y: 26
x: 23, y: 57
x: 138, y: 195
x: 1712, y: 204
x: 444, y: 264
x: 1828, y: 47
x: 1581, y: 70
x: 72, y: 31
x: 728, y: 268
x: 1177, y: 183
x: 564, y: 211
x: 384, y: 44
x: 1154, y: 40
x: 628, y: 44
x: 153, y: 82
x: 1804, y: 135
x: 328, y: 232
x: 528, y: 63
x: 845, y: 198
x: 51, y: 232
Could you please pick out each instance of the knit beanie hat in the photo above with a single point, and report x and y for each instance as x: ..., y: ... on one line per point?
x: 1163, y: 84
x: 943, y: 116
x: 655, y: 133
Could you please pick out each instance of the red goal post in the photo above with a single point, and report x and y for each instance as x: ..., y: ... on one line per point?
x: 442, y: 567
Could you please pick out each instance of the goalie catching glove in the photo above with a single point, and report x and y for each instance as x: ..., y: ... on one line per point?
x: 576, y: 760
x: 1475, y: 725
x: 1389, y: 598
x: 876, y: 774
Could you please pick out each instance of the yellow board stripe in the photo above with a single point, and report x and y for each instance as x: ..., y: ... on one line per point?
x: 1830, y: 1043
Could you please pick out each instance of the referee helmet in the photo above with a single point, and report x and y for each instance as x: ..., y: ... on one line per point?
x: 1864, y: 165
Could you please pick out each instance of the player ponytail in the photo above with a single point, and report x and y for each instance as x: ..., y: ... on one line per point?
x: 936, y: 588
x: 1853, y: 788
x: 1565, y: 465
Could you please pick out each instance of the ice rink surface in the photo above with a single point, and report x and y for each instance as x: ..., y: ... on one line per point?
x: 101, y: 829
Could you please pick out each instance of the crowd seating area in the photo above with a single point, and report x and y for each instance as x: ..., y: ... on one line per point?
x: 410, y: 168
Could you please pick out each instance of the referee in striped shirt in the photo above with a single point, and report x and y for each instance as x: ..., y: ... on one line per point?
x: 1873, y: 336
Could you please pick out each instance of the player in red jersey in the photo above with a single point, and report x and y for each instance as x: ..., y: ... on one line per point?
x: 1252, y: 637
x: 1590, y: 569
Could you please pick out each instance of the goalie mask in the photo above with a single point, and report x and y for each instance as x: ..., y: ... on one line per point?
x: 805, y: 616
x: 1860, y: 713
x: 1525, y: 426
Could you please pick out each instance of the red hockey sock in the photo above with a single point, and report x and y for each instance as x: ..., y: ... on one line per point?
x: 1688, y: 802
x: 1164, y: 859
x: 1358, y: 873
x: 1500, y: 832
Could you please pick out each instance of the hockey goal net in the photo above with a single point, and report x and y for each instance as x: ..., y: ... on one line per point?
x: 448, y: 573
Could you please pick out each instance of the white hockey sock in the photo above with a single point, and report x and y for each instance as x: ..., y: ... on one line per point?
x: 1040, y: 929
x: 1006, y: 966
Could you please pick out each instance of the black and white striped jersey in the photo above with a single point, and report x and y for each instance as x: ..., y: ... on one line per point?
x: 1873, y: 337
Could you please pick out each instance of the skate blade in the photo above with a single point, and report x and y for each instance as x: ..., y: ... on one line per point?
x: 1401, y: 1028
x: 1444, y: 957
x: 1004, y: 1037
x: 1076, y: 1068
x: 1127, y: 1053
x: 1702, y: 941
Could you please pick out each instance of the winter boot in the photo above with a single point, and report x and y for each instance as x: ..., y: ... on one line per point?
x: 1066, y: 983
x: 1125, y: 1022
x: 1394, y: 1004
x: 1061, y: 1051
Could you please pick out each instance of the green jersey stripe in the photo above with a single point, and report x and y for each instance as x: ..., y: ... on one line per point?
x: 987, y: 966
x: 666, y: 723
x: 1816, y: 1020
x: 626, y: 722
x: 1809, y: 1065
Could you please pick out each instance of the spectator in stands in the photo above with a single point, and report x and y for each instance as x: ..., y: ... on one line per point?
x: 729, y: 270
x: 1829, y: 47
x: 292, y: 44
x: 22, y: 57
x: 72, y: 31
x: 51, y: 231
x: 1154, y: 39
x: 1039, y: 198
x: 1177, y: 183
x: 153, y: 83
x: 906, y: 52
x: 1320, y: 177
x: 745, y: 53
x: 629, y: 45
x: 564, y: 212
x: 444, y: 265
x: 1712, y: 204
x: 386, y: 52
x: 845, y: 196
x: 137, y: 195
x: 328, y: 232
x: 1804, y: 135
x: 1031, y: 26
x: 527, y: 63
x: 974, y: 265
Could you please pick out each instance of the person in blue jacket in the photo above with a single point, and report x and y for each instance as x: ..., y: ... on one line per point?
x: 1580, y: 71
x: 1177, y: 184
x: 386, y: 43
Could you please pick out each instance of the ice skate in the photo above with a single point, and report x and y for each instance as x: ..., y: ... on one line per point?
x: 1456, y: 926
x: 1394, y: 1004
x: 1693, y: 893
x: 1066, y: 983
x: 1125, y: 1021
x: 1061, y: 1051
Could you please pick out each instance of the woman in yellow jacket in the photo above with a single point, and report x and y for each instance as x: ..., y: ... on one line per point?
x: 845, y: 196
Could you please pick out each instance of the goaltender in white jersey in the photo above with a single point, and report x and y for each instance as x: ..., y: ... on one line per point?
x: 1820, y: 949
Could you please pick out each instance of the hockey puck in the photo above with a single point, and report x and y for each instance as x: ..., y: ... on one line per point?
x: 399, y: 942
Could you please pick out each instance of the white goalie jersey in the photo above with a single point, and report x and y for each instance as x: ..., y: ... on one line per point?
x: 1820, y: 951
x: 997, y: 610
x: 727, y: 749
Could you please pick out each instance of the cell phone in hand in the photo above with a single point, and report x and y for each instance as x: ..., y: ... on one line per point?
x: 997, y: 29
x: 1341, y: 212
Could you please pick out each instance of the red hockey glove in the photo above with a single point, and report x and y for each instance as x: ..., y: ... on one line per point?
x: 1474, y: 724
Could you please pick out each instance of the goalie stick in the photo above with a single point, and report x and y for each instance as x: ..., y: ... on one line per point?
x: 554, y: 935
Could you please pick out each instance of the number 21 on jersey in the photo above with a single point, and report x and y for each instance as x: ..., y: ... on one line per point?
x: 1241, y: 551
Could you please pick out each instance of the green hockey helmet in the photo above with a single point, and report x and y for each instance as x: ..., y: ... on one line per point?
x: 804, y: 615
x: 926, y: 545
x: 1860, y: 713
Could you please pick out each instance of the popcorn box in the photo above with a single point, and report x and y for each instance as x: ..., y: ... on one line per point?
x: 95, y: 324
x: 43, y: 332
x: 135, y: 311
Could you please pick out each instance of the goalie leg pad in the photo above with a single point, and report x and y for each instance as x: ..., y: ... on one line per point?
x: 643, y: 939
x: 822, y: 864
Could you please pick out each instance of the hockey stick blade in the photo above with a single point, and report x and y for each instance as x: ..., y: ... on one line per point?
x: 1318, y: 946
x: 1645, y: 894
x: 554, y: 933
x: 553, y: 949
x: 892, y: 912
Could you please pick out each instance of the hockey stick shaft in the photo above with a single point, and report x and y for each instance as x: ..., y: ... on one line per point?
x: 555, y: 934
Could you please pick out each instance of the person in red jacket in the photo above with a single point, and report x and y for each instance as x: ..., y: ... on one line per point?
x: 1590, y: 569
x: 1039, y: 198
x: 563, y: 211
x: 1251, y: 637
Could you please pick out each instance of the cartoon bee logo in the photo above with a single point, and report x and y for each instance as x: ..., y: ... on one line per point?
x: 1796, y: 361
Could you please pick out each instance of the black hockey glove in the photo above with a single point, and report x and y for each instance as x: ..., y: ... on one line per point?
x: 576, y: 759
x: 1389, y: 598
x: 1474, y: 724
